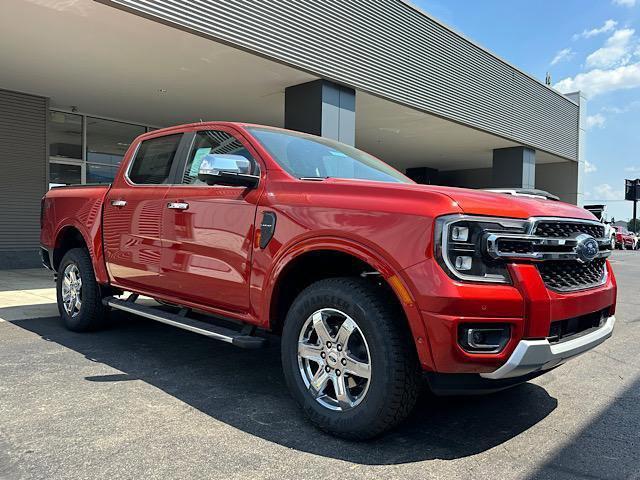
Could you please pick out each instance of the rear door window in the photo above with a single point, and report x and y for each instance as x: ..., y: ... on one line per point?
x: 152, y: 165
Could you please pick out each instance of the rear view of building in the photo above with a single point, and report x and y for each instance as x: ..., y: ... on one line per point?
x: 80, y: 80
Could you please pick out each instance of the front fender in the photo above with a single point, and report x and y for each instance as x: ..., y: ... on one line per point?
x: 391, y: 272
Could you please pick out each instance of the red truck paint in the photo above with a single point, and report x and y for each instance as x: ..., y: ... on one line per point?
x: 167, y: 254
x: 624, y: 238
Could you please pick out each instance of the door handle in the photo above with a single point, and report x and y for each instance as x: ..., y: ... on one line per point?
x: 178, y: 205
x: 118, y: 203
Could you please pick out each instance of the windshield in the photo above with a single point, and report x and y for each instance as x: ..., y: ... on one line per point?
x: 307, y: 156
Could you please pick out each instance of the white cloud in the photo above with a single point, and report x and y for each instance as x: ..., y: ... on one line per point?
x: 596, y: 120
x: 604, y: 191
x: 617, y: 50
x: 598, y: 81
x: 606, y: 27
x: 589, y: 167
x: 624, y: 3
x: 564, y: 54
x: 619, y: 110
x: 633, y: 169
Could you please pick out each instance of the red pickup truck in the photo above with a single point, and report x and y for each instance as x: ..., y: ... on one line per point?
x: 624, y: 238
x: 372, y: 281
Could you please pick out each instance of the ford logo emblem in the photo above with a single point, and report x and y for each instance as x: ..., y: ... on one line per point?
x: 586, y: 248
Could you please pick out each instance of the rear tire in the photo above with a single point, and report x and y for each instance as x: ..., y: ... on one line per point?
x: 78, y: 293
x: 377, y: 338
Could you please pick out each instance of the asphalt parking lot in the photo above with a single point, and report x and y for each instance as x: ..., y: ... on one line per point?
x: 144, y: 400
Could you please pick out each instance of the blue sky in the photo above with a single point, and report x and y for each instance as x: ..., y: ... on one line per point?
x: 588, y: 45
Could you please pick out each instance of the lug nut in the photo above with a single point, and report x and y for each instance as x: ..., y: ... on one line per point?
x: 323, y: 355
x: 338, y: 372
x: 328, y: 344
x: 344, y: 361
x: 339, y: 347
x: 327, y: 369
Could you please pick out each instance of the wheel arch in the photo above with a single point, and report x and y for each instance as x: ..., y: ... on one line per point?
x: 68, y: 237
x: 298, y: 268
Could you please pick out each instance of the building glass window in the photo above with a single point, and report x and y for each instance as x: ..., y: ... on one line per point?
x: 65, y: 135
x: 64, y: 174
x: 107, y: 142
x: 87, y: 149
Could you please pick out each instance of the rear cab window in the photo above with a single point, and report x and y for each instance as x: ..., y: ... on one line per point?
x: 153, y: 160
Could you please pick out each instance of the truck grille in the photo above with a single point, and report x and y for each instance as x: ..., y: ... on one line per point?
x: 565, y: 276
x: 556, y: 229
x: 561, y: 249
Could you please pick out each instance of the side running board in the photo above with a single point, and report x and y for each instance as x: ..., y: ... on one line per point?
x: 240, y: 339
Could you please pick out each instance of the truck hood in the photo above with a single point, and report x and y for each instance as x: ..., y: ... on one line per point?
x: 478, y: 202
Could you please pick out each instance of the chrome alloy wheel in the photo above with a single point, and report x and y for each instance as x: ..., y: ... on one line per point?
x: 334, y: 359
x: 72, y: 290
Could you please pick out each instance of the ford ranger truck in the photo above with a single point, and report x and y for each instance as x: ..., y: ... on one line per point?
x: 372, y: 282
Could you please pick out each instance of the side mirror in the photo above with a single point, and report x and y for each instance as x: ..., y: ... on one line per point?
x: 223, y: 169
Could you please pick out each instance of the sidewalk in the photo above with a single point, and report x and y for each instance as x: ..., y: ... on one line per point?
x: 27, y: 294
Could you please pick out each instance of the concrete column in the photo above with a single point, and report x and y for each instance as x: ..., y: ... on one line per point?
x: 322, y: 108
x: 577, y: 180
x: 565, y: 179
x: 560, y: 178
x: 514, y: 167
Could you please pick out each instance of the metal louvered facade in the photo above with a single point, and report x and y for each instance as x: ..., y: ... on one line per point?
x: 23, y: 167
x: 390, y: 49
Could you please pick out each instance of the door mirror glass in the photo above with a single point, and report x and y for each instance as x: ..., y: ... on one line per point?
x: 227, y: 169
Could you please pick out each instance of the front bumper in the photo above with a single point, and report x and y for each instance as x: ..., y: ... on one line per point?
x: 532, y: 356
x: 527, y: 305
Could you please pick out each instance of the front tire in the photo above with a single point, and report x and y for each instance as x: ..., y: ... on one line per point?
x: 348, y: 358
x: 78, y: 293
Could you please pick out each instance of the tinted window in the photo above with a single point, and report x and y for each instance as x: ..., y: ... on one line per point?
x: 308, y: 156
x: 212, y: 142
x: 152, y: 164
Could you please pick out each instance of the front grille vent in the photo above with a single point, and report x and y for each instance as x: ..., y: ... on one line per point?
x: 555, y: 229
x: 565, y: 276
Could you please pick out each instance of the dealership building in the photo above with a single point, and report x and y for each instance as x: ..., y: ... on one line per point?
x: 81, y: 79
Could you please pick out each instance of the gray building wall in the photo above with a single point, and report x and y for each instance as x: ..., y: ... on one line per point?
x: 23, y: 176
x: 561, y: 179
x: 390, y: 49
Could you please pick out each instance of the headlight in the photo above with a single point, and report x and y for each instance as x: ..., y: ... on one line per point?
x: 460, y: 246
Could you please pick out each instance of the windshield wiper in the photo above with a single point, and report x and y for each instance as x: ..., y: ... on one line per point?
x: 314, y: 179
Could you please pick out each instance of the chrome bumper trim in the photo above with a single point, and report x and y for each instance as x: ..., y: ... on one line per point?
x: 535, y: 355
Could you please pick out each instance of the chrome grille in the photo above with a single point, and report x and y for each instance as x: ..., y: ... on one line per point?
x: 565, y: 276
x: 562, y: 229
x: 554, y: 244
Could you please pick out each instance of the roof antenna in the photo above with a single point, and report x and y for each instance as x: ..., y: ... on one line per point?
x: 547, y: 79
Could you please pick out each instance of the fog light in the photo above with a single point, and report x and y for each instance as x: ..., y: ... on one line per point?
x: 459, y: 234
x: 484, y: 338
x: 463, y: 263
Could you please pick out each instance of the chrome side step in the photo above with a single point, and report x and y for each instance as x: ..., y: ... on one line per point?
x: 238, y: 338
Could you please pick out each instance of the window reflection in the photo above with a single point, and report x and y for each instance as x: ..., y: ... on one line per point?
x: 72, y: 161
x: 65, y: 135
x: 64, y: 174
x: 107, y: 142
